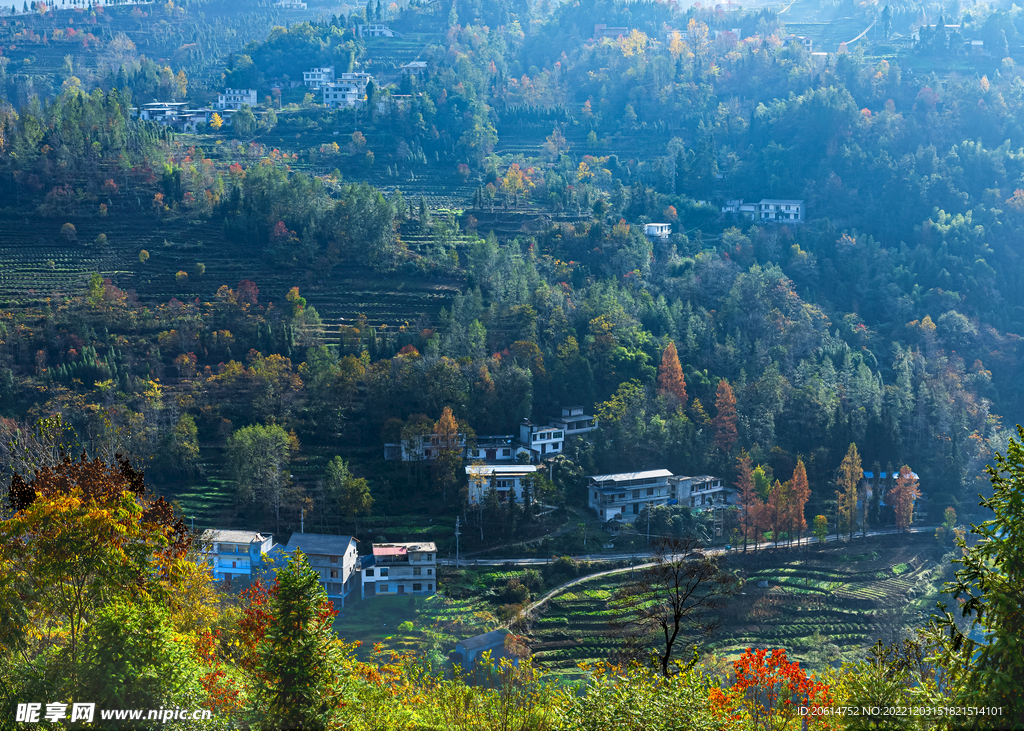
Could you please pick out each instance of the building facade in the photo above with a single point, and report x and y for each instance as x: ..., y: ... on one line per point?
x: 348, y: 91
x: 335, y: 558
x: 573, y: 421
x: 400, y: 568
x: 702, y: 493
x: 507, y: 480
x: 234, y: 554
x: 622, y: 496
x: 542, y: 441
x: 782, y: 210
x: 233, y: 99
x: 374, y: 30
x: 315, y: 78
x: 657, y: 230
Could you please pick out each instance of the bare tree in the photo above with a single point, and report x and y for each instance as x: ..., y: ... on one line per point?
x: 670, y: 607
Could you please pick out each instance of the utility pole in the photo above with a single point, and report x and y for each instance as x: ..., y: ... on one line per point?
x: 302, y: 523
x: 457, y: 533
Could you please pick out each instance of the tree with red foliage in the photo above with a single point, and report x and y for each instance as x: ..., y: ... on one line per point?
x: 247, y: 292
x: 769, y: 691
x: 671, y: 381
x: 750, y: 506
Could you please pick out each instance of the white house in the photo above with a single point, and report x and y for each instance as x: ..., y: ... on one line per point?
x: 496, y: 448
x: 702, y: 493
x: 374, y: 30
x: 233, y: 554
x: 605, y: 31
x: 505, y: 479
x: 234, y: 99
x: 777, y: 209
x: 658, y: 230
x: 290, y: 5
x: 315, y: 78
x: 738, y: 206
x: 541, y: 440
x: 335, y: 558
x: 804, y: 41
x: 573, y: 421
x: 348, y: 91
x: 400, y: 568
x: 413, y: 67
x: 622, y: 496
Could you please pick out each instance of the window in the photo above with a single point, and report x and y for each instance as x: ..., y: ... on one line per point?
x: 536, y: 437
x: 234, y: 564
x: 430, y: 572
x: 334, y: 573
x: 383, y: 588
x: 383, y: 572
x: 506, y: 453
x: 369, y: 572
x: 430, y: 587
x: 417, y: 587
x: 650, y: 490
x: 636, y: 494
x: 429, y: 556
x: 622, y: 496
x: 334, y: 559
x: 416, y: 571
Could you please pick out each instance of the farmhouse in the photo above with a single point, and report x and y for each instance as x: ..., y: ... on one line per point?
x: 604, y: 31
x: 413, y: 67
x: 234, y: 99
x: 621, y: 496
x: 335, y: 558
x: 658, y: 230
x: 399, y: 568
x: 233, y: 554
x: 315, y: 78
x: 774, y: 209
x: 573, y: 421
x: 541, y: 440
x: 469, y: 650
x: 507, y: 480
x: 290, y: 5
x: 348, y: 91
x: 702, y: 493
x: 374, y: 30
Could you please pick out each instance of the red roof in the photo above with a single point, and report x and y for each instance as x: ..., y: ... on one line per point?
x: 389, y: 550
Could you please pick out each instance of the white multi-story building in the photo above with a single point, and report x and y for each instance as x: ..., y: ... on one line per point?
x: 573, y: 421
x: 776, y: 209
x: 374, y: 30
x: 738, y: 206
x: 290, y: 5
x: 413, y: 67
x: 507, y: 480
x: 400, y: 568
x: 348, y: 91
x: 702, y: 493
x: 233, y: 554
x: 657, y: 230
x: 234, y: 99
x: 541, y: 440
x: 315, y: 78
x: 335, y: 558
x: 622, y: 496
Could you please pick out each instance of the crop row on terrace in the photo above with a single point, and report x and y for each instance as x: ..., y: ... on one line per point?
x: 812, y: 600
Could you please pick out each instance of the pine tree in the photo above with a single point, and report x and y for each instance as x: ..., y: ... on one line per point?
x: 671, y: 381
x: 724, y: 422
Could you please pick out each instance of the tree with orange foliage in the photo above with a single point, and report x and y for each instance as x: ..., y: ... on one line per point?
x: 750, y: 506
x: 447, y: 443
x: 903, y: 496
x: 724, y: 422
x: 671, y: 381
x: 769, y: 692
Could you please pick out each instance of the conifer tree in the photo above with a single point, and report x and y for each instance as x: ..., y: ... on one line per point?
x: 847, y: 480
x: 800, y: 495
x: 298, y: 680
x: 724, y: 422
x: 670, y: 376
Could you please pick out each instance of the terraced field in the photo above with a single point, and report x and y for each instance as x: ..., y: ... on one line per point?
x: 820, y: 606
x: 35, y: 263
